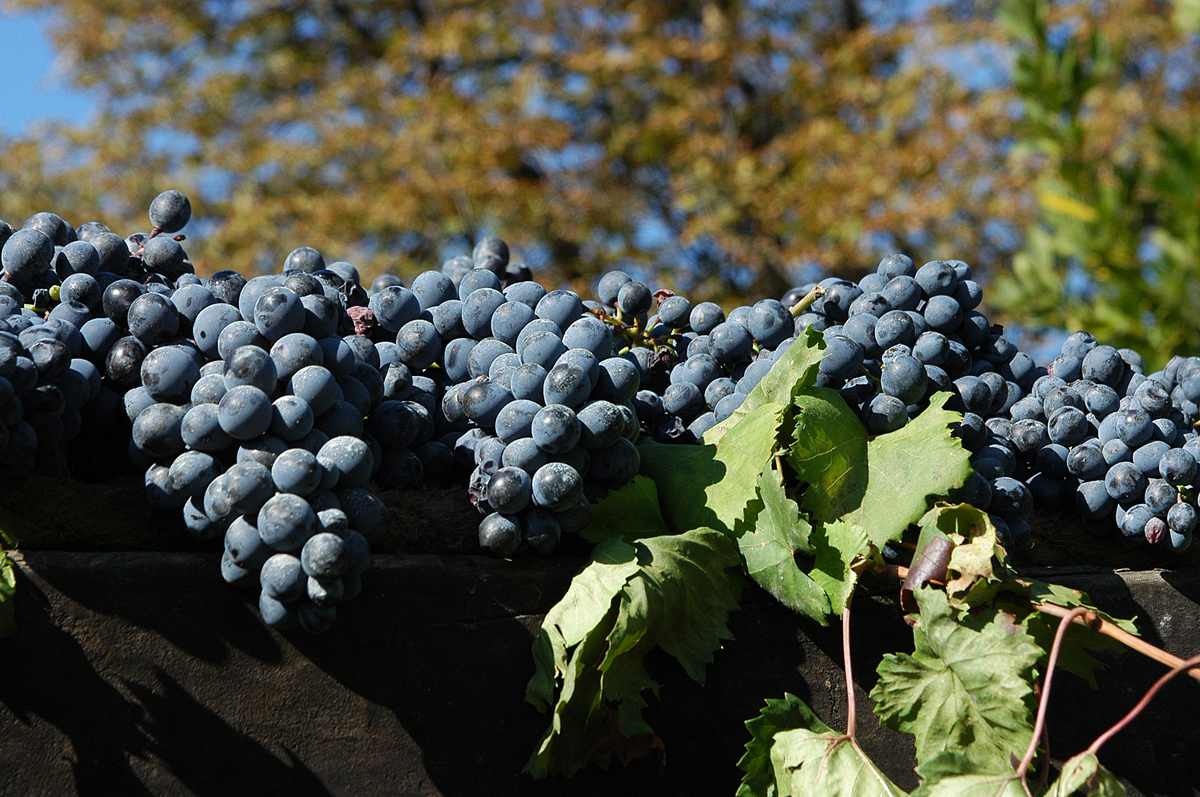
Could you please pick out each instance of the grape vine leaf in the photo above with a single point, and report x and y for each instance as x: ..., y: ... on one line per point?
x: 8, y: 587
x: 951, y: 774
x: 975, y: 547
x: 586, y: 607
x: 900, y: 471
x: 769, y: 550
x: 777, y: 715
x: 712, y: 485
x: 793, y: 371
x: 673, y: 591
x: 819, y: 760
x: 965, y: 687
x: 829, y: 452
x: 1080, y: 640
x: 1083, y: 773
x: 837, y: 544
x: 979, y: 575
x: 631, y: 511
x: 1019, y: 594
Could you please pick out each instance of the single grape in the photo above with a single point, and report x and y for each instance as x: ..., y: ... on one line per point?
x: 500, y: 535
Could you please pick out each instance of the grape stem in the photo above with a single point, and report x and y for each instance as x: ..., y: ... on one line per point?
x: 1040, y: 725
x: 851, y: 718
x: 1141, y: 704
x: 799, y: 307
x: 1091, y: 620
x: 1098, y: 623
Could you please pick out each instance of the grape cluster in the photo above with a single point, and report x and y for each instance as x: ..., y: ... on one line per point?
x: 264, y: 409
x: 1092, y: 431
x: 695, y: 366
x: 905, y: 333
x: 45, y: 387
x: 1119, y: 441
x: 529, y: 393
x: 245, y: 402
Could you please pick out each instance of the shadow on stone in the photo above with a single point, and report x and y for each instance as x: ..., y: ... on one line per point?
x: 202, y: 752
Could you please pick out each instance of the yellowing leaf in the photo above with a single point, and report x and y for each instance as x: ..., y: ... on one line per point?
x: 1067, y: 206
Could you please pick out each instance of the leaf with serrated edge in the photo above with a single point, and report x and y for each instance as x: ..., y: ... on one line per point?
x: 1067, y: 598
x: 1083, y: 772
x: 769, y: 549
x: 837, y: 545
x: 905, y: 468
x: 673, y: 591
x: 793, y: 370
x: 587, y: 602
x: 778, y: 715
x: 829, y: 452
x: 952, y: 774
x: 966, y: 685
x: 973, y: 786
x: 809, y: 762
x: 578, y: 714
x: 631, y: 511
x: 711, y: 485
x: 1015, y: 595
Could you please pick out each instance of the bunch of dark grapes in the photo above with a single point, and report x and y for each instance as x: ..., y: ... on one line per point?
x: 905, y: 333
x: 529, y: 393
x: 245, y: 402
x: 1092, y: 431
x: 264, y: 409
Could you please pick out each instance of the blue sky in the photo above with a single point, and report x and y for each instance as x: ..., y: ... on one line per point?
x: 32, y: 89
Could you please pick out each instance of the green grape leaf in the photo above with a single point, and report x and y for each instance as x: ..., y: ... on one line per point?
x: 818, y: 760
x: 712, y: 485
x: 778, y: 715
x: 8, y: 588
x: 829, y: 453
x: 951, y: 774
x: 671, y: 591
x: 1016, y: 594
x: 1083, y: 773
x: 882, y: 485
x: 769, y: 550
x: 907, y: 467
x: 965, y: 687
x: 631, y: 511
x: 1067, y: 598
x: 837, y: 545
x: 794, y: 370
x: 586, y: 608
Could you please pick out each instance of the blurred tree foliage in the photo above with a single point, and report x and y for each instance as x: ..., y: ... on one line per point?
x: 722, y: 145
x: 1111, y: 104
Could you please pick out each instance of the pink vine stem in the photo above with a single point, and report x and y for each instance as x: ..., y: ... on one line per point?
x: 1040, y: 724
x: 850, y: 703
x: 1141, y: 704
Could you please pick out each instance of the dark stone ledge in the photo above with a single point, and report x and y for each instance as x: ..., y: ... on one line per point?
x: 137, y: 673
